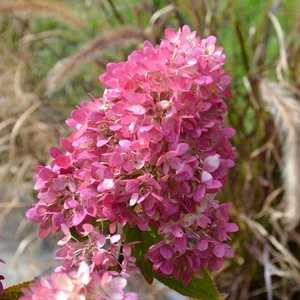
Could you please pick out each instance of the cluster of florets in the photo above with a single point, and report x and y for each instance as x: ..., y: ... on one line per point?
x: 103, y: 252
x: 152, y: 151
x: 78, y: 285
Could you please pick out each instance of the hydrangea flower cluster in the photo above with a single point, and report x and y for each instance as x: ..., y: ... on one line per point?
x: 78, y: 285
x: 102, y: 252
x: 152, y: 151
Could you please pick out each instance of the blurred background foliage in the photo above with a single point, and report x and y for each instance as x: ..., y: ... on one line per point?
x: 51, y: 54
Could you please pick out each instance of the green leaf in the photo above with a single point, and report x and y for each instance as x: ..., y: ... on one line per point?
x: 14, y: 292
x: 139, y: 251
x: 203, y: 288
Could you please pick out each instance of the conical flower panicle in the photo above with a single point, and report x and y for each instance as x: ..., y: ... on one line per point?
x: 152, y: 151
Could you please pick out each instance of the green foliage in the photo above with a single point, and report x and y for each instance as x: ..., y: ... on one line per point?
x: 14, y: 292
x: 203, y: 288
x: 144, y: 239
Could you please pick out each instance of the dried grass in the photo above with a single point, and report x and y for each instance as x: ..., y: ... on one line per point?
x: 285, y: 110
x: 65, y: 68
x: 58, y: 11
x: 158, y: 21
x: 38, y: 36
x: 26, y: 130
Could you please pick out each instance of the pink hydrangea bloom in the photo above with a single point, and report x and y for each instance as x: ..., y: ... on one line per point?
x: 1, y: 278
x: 152, y: 151
x: 101, y: 252
x: 78, y: 285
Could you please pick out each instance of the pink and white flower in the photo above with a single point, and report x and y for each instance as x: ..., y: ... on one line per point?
x: 78, y: 285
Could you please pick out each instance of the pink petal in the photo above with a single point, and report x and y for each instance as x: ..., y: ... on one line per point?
x: 106, y: 185
x: 206, y: 178
x: 228, y: 132
x: 225, y: 80
x: 218, y: 251
x: 167, y: 267
x: 215, y: 184
x: 182, y: 148
x: 110, y: 214
x: 128, y: 119
x: 228, y: 253
x: 203, y: 221
x: 205, y: 106
x: 211, y: 163
x: 202, y: 245
x: 136, y: 109
x: 183, y: 174
x: 39, y: 184
x: 199, y: 193
x: 175, y: 163
x: 32, y: 215
x: 66, y: 145
x: 54, y: 152
x: 133, y: 199
x: 171, y: 35
x: 116, y: 160
x: 63, y: 161
x: 79, y: 116
x: 101, y: 143
x: 45, y: 228
x: 100, y: 240
x: 115, y: 238
x: 132, y: 186
x: 166, y: 252
x: 60, y: 183
x: 231, y: 227
x: 59, y: 220
x: 72, y: 185
x: 215, y: 263
x: 88, y: 228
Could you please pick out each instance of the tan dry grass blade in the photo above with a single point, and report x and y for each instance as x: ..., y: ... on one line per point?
x: 278, y: 250
x: 57, y: 11
x: 67, y: 66
x: 283, y: 63
x: 38, y: 36
x: 285, y: 110
x: 158, y: 20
